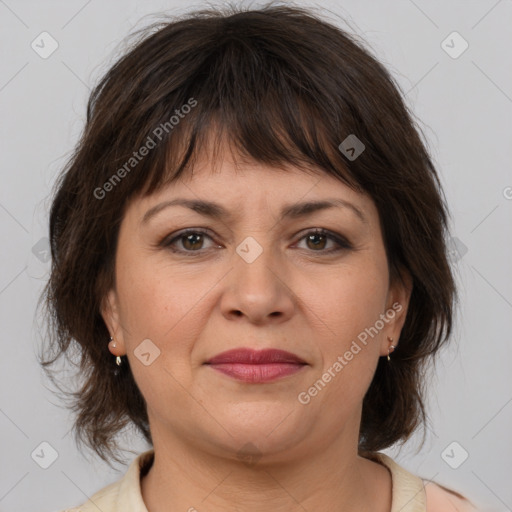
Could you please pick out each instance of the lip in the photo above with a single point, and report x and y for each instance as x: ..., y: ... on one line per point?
x: 255, y: 366
x: 251, y: 356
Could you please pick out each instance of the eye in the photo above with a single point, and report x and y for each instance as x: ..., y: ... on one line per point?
x: 316, y: 241
x: 191, y: 241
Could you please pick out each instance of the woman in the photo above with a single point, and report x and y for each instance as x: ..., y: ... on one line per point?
x: 249, y: 256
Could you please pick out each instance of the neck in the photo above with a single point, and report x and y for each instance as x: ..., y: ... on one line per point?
x: 183, y: 477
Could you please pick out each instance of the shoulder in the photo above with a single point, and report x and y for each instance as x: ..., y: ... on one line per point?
x: 104, y: 500
x: 412, y: 492
x: 442, y: 499
x: 123, y: 494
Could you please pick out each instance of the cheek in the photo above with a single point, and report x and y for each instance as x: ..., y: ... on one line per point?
x: 161, y: 307
x: 150, y: 296
x: 351, y: 300
x: 165, y: 304
x: 349, y: 308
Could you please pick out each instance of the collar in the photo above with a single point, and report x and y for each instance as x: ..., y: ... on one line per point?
x: 408, y: 490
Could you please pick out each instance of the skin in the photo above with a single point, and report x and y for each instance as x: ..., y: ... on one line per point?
x: 294, y: 296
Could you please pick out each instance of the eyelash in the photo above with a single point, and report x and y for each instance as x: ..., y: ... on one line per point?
x: 168, y: 243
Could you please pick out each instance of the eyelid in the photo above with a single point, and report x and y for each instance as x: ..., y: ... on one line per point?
x: 171, y: 238
x: 341, y: 241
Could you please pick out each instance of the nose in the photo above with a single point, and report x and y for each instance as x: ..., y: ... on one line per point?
x: 256, y: 288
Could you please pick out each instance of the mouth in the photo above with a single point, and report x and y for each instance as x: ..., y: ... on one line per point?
x: 257, y: 366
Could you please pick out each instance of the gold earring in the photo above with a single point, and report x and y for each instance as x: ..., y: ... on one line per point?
x: 114, y: 345
x: 391, y: 346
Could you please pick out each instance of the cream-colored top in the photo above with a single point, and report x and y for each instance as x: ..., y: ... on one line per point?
x: 409, y: 492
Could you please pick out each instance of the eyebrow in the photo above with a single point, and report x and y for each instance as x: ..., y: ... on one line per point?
x: 216, y: 211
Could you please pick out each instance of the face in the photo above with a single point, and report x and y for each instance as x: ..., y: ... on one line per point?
x: 191, y: 285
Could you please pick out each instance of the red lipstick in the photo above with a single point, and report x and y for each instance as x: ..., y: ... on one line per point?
x: 256, y: 366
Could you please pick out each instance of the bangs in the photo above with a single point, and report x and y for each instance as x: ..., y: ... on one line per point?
x: 256, y: 105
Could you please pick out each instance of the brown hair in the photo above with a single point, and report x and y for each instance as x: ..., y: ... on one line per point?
x: 283, y: 86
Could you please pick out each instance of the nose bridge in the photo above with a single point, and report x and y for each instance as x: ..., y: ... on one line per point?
x: 255, y: 260
x: 257, y: 289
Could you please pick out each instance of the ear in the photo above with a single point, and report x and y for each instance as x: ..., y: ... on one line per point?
x: 110, y: 312
x: 397, y: 305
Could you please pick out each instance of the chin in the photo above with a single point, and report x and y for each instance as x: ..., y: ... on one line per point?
x: 262, y: 428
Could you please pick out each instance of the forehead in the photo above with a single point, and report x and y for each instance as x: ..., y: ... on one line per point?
x: 228, y: 178
x: 229, y: 190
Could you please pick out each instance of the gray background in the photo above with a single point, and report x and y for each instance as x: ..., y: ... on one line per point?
x: 465, y: 107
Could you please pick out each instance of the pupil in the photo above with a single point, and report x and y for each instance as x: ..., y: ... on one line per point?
x: 311, y: 237
x: 193, y: 239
